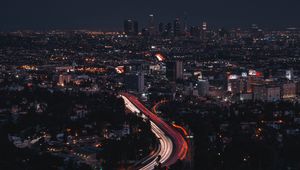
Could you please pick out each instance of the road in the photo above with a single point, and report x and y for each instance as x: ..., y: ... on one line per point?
x: 172, y: 145
x: 154, y: 108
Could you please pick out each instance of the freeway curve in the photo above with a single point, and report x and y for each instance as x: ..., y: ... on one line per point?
x: 172, y: 144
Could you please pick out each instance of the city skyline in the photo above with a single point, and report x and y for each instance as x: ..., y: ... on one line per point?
x: 149, y: 85
x: 108, y: 16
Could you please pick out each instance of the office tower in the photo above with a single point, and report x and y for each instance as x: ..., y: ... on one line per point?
x: 161, y: 28
x: 255, y: 31
x: 141, y: 82
x: 168, y: 29
x: 234, y: 84
x: 267, y: 93
x: 131, y: 27
x: 204, y: 31
x: 128, y: 25
x: 203, y: 87
x: 195, y: 31
x: 135, y: 81
x: 223, y: 32
x: 151, y: 25
x: 204, y: 26
x: 179, y: 70
x: 254, y: 28
x: 185, y: 24
x: 135, y: 28
x: 177, y: 27
x: 289, y: 74
x: 64, y: 79
x: 145, y: 32
x: 174, y: 70
x: 288, y: 90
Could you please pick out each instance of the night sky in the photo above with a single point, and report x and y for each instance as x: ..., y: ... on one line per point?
x: 109, y: 14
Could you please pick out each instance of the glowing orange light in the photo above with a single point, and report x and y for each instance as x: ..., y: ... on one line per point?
x: 160, y: 57
x: 181, y: 128
x: 98, y: 145
x: 154, y: 109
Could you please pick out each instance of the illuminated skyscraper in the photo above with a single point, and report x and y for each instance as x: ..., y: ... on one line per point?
x: 204, y: 26
x: 289, y: 74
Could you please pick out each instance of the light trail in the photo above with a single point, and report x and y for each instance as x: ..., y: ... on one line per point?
x: 166, y: 145
x: 181, y: 128
x: 172, y: 145
x: 154, y: 108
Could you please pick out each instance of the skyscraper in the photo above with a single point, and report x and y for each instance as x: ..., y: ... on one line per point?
x: 204, y: 26
x: 135, y: 28
x: 204, y: 30
x: 168, y: 29
x: 135, y: 81
x: 161, y: 28
x: 131, y: 27
x: 151, y: 24
x: 128, y: 25
x: 185, y: 24
x: 195, y: 31
x: 174, y: 70
x: 203, y: 87
x: 141, y: 82
x: 289, y: 74
x: 145, y: 32
x: 177, y: 27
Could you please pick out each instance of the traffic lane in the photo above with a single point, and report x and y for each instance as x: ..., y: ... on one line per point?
x: 180, y: 143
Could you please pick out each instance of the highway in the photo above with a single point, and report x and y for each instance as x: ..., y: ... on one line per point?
x: 172, y: 145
